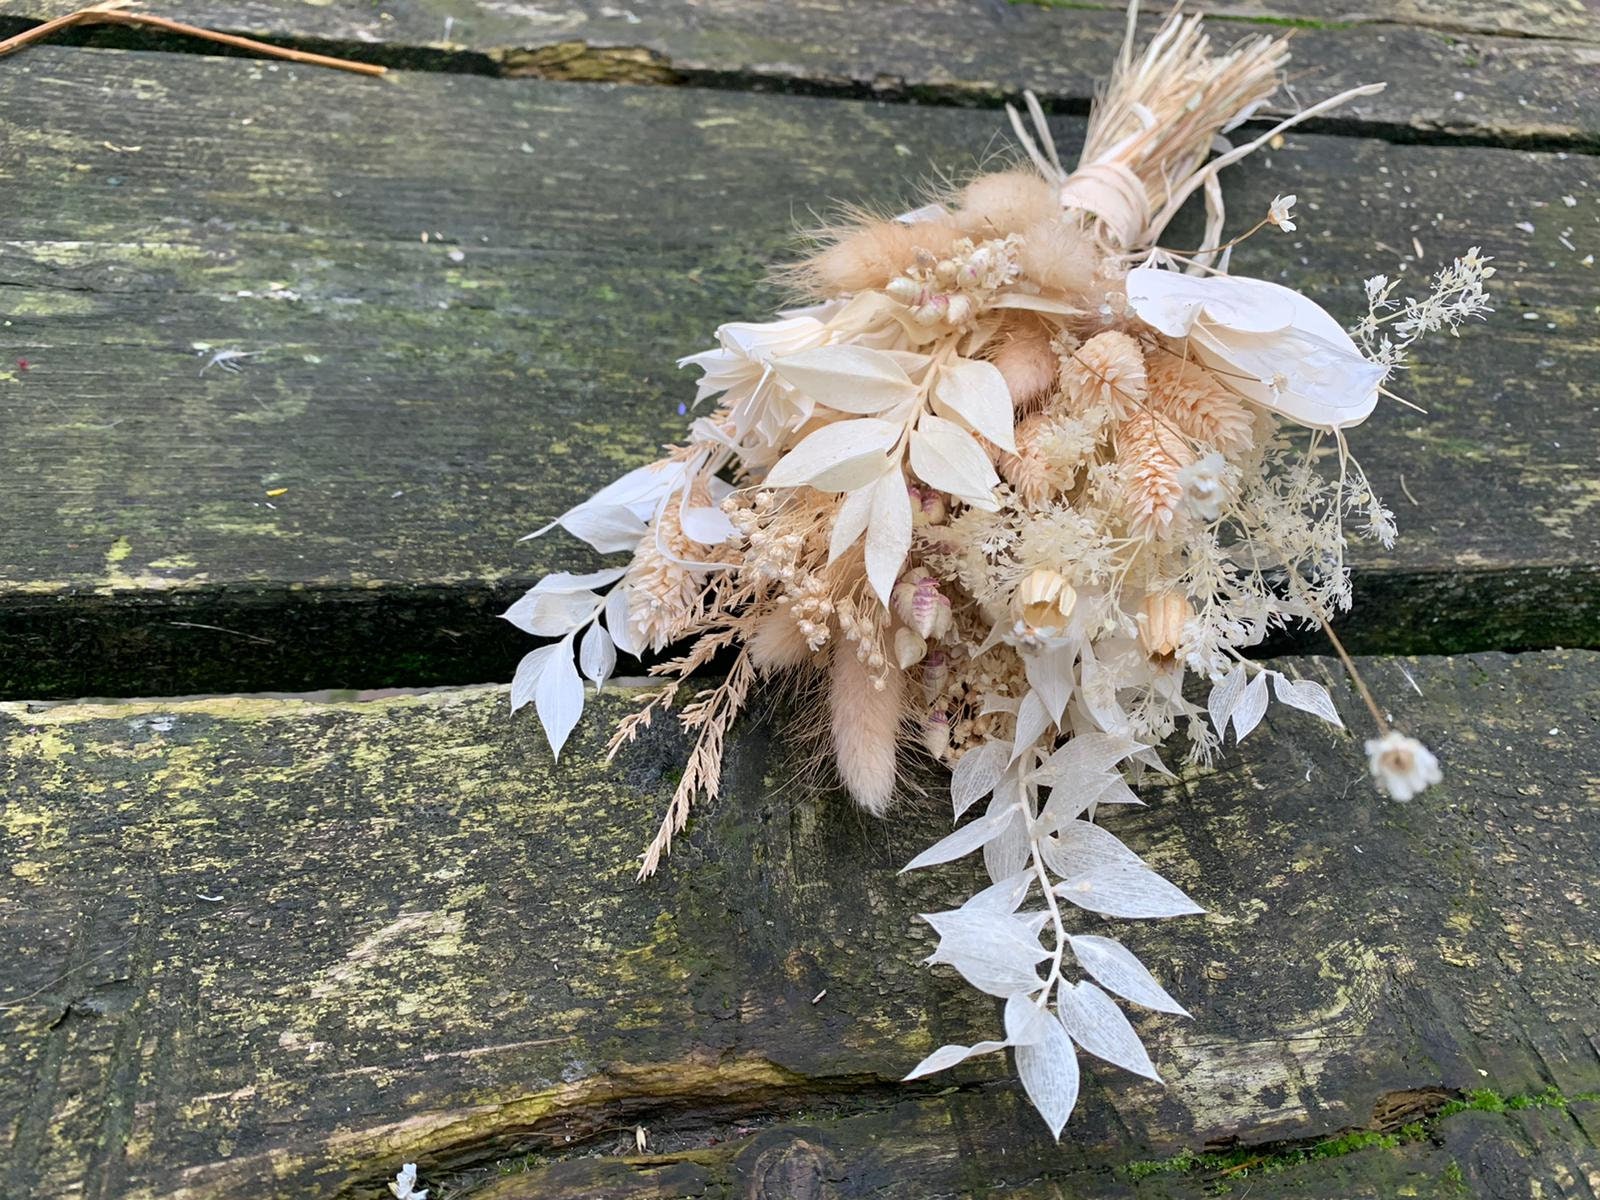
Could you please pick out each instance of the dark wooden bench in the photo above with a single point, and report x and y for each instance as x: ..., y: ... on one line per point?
x: 260, y: 947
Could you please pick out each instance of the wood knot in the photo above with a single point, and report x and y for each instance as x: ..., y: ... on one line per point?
x: 787, y: 1168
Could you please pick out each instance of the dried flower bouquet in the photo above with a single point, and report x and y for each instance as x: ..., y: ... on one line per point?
x: 1011, y: 475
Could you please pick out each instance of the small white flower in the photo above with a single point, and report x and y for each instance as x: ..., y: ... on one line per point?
x: 1281, y: 212
x: 1402, y: 766
x: 1201, y: 482
x: 404, y: 1185
x: 741, y: 366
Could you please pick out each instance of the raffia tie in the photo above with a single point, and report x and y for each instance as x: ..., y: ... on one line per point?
x: 1113, y: 194
x: 1107, y: 189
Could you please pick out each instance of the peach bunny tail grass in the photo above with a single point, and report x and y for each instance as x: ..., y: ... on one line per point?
x: 862, y: 251
x: 1027, y: 361
x: 866, y: 728
x: 1003, y: 202
x: 777, y: 643
x: 1058, y: 255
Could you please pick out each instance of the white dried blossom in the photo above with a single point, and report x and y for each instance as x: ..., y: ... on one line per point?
x: 404, y: 1185
x: 1281, y: 213
x: 1390, y: 327
x: 1202, y: 486
x: 1402, y: 766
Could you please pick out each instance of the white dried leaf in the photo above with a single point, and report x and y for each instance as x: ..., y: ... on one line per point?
x: 1026, y: 1021
x: 1043, y: 304
x: 946, y: 1057
x: 609, y: 528
x: 945, y: 456
x: 1308, y: 696
x: 1251, y: 708
x: 551, y: 613
x: 558, y: 697
x: 1049, y: 1073
x: 1120, y: 890
x: 1008, y: 851
x: 1032, y: 721
x: 1118, y: 792
x: 1224, y: 698
x: 404, y: 1186
x: 993, y: 951
x: 847, y: 378
x: 851, y: 521
x: 617, y: 623
x: 614, y: 518
x: 529, y: 671
x: 1098, y: 692
x: 1084, y: 761
x: 839, y: 457
x: 976, y: 392
x: 888, y: 533
x: 565, y: 581
x: 964, y: 840
x: 977, y: 774
x: 596, y: 655
x: 1118, y: 970
x: 1272, y: 345
x: 1080, y: 846
x: 1005, y: 896
x: 705, y: 525
x: 1093, y: 1020
x: 1049, y: 672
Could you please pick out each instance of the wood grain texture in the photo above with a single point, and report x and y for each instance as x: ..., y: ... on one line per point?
x: 1481, y: 70
x: 274, y: 948
x: 344, y: 510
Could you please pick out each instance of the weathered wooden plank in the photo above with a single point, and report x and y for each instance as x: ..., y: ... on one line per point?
x: 343, y: 511
x: 267, y: 947
x: 1452, y: 72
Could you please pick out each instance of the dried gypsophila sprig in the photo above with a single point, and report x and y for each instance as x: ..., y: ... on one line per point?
x: 1002, y: 483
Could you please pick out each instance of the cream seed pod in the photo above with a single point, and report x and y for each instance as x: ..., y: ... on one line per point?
x: 1161, y: 620
x: 1009, y: 477
x: 1044, y: 600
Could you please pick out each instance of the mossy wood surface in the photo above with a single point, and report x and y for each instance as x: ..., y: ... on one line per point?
x: 260, y: 948
x: 257, y: 948
x: 1478, y: 70
x: 462, y: 299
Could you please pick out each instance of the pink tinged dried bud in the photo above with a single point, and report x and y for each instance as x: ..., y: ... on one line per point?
x: 1044, y: 600
x: 1401, y: 766
x: 936, y: 734
x: 1161, y: 621
x: 905, y: 289
x: 935, y: 667
x: 959, y: 310
x: 930, y: 509
x: 909, y: 647
x: 945, y: 271
x: 931, y: 311
x: 919, y: 603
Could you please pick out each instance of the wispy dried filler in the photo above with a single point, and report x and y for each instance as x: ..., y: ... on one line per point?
x: 1007, y: 478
